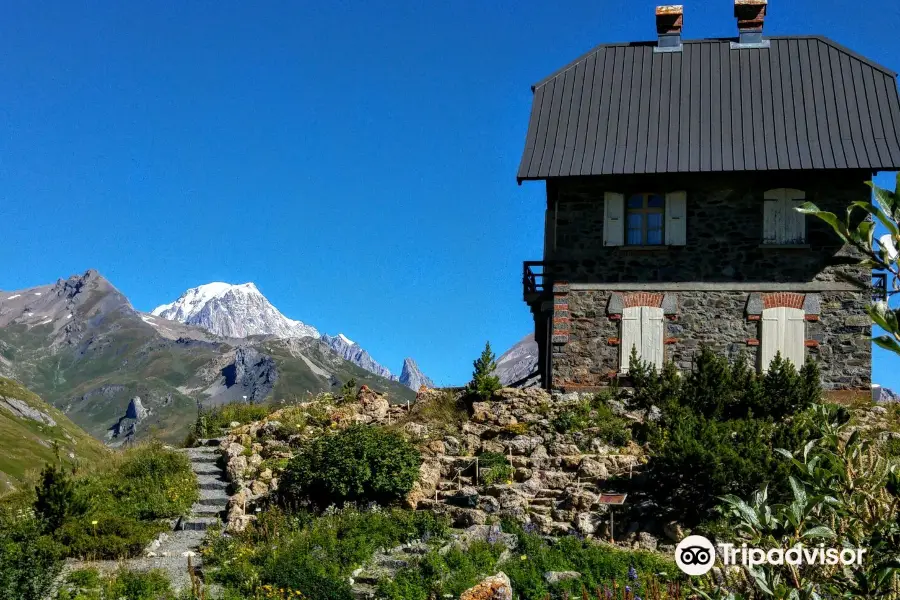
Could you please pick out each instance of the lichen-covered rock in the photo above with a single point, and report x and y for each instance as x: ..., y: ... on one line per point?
x: 523, y: 445
x: 425, y: 486
x: 495, y: 587
x: 236, y: 468
x: 234, y: 449
x: 556, y: 577
x: 587, y: 522
x: 590, y: 467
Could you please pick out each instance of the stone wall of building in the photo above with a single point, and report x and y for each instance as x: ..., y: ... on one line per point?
x: 710, y: 279
x: 587, y: 354
x: 724, y: 232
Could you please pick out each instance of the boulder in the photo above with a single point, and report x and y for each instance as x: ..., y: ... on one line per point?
x: 258, y: 488
x: 425, y: 486
x: 587, y: 522
x: 523, y: 445
x: 495, y: 587
x: 416, y: 429
x: 236, y: 468
x: 372, y: 404
x: 234, y: 449
x: 452, y: 445
x: 673, y: 531
x: 592, y: 468
x: 265, y: 475
x: 539, y: 453
x: 556, y: 577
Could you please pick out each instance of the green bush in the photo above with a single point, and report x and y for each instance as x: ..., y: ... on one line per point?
x: 719, y: 427
x: 29, y: 559
x: 87, y: 584
x: 113, y: 537
x: 312, y: 554
x: 596, y: 415
x: 359, y: 464
x: 438, y: 575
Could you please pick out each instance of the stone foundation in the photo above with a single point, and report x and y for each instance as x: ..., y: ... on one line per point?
x: 587, y: 356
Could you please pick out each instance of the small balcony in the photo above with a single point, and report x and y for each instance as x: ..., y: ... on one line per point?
x: 538, y: 277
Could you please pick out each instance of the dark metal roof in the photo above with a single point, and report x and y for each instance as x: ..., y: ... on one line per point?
x: 803, y: 103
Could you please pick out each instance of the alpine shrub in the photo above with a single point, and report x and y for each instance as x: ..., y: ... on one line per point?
x: 359, y: 464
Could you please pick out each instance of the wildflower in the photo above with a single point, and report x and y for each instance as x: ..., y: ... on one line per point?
x: 523, y: 557
x: 632, y: 574
x: 93, y: 522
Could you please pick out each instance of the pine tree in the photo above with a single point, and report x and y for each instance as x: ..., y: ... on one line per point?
x: 56, y: 498
x: 484, y: 383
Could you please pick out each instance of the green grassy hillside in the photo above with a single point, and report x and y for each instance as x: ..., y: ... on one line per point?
x: 27, y: 444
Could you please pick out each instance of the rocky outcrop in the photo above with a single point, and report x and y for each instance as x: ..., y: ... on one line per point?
x: 495, y: 587
x: 125, y: 429
x: 21, y: 409
x: 883, y: 394
x: 412, y: 377
x: 255, y: 372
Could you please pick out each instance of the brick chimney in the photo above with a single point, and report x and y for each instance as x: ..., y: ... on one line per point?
x: 669, y: 20
x: 750, y: 15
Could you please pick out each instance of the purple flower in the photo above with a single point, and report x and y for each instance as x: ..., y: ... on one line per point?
x: 632, y: 574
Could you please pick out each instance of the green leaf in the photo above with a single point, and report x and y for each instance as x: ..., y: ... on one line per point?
x: 821, y: 531
x: 798, y: 489
x: 879, y: 214
x: 840, y: 228
x: 888, y: 343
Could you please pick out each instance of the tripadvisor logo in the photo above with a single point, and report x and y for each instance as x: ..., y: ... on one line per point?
x: 695, y: 555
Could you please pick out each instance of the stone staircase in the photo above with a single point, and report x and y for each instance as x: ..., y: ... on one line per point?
x: 171, y: 551
x: 210, y: 507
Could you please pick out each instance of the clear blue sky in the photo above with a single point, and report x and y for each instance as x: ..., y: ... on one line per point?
x: 356, y: 160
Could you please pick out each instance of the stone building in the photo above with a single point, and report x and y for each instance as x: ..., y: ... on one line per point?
x: 673, y: 169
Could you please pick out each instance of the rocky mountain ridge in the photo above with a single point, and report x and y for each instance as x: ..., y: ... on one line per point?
x: 81, y: 345
x: 242, y: 311
x: 519, y: 362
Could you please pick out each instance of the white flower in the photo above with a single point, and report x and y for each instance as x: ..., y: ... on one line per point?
x: 887, y: 242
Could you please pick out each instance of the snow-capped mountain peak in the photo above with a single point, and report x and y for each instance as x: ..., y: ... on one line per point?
x: 232, y: 311
x: 346, y: 340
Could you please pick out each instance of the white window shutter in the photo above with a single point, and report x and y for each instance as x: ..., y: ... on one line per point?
x: 652, y: 328
x: 769, y: 343
x: 773, y: 217
x: 795, y: 222
x: 676, y: 218
x: 613, y: 219
x: 794, y: 336
x: 631, y: 336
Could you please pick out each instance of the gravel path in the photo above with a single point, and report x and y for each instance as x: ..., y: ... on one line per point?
x: 172, y: 550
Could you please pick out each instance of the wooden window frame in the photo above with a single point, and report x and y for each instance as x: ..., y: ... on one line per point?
x: 644, y: 211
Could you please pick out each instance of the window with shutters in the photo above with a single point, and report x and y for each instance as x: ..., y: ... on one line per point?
x: 784, y: 331
x: 642, y: 329
x: 782, y: 223
x: 644, y: 219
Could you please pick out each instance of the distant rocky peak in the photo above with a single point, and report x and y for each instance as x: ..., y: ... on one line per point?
x: 353, y: 352
x: 412, y: 377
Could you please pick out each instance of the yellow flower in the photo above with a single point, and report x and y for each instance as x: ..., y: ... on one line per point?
x: 93, y: 522
x: 523, y: 557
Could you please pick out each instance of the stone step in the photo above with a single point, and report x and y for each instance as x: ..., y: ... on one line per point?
x: 207, y: 510
x: 209, y: 442
x: 207, y: 469
x: 199, y: 523
x: 548, y: 493
x: 209, y: 482
x: 205, y: 459
x: 214, y: 501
